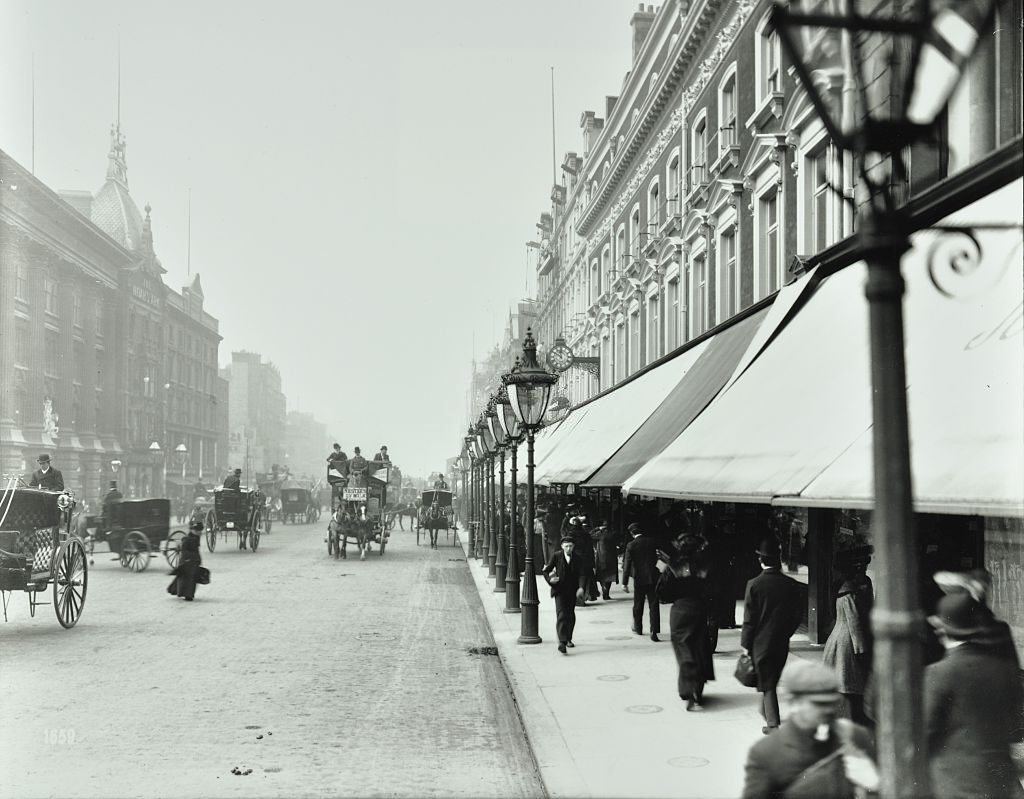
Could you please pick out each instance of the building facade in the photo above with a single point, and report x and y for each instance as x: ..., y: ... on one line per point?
x: 710, y: 182
x: 307, y: 445
x: 94, y: 373
x: 257, y: 418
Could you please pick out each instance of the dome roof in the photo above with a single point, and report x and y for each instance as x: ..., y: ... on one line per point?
x: 113, y: 209
x: 115, y: 213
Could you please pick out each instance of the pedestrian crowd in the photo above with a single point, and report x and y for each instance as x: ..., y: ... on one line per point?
x: 823, y: 744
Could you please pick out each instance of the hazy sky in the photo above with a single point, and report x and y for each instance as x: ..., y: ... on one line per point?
x: 364, y: 175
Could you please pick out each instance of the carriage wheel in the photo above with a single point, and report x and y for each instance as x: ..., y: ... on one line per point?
x: 211, y: 530
x: 70, y: 582
x: 135, y: 551
x: 330, y: 542
x: 172, y: 548
x: 383, y: 543
x: 254, y: 533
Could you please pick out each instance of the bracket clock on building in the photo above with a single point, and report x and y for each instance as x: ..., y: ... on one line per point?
x: 560, y: 357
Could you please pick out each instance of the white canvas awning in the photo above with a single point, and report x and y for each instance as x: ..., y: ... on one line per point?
x: 606, y: 422
x: 796, y: 425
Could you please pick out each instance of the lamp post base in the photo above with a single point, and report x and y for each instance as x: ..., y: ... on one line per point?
x: 500, y: 577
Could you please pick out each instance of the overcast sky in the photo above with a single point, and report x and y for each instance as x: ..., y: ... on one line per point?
x: 364, y: 175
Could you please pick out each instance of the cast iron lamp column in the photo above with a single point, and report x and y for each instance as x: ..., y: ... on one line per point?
x: 492, y: 538
x: 529, y: 389
x: 511, y: 426
x: 500, y: 563
x: 477, y: 495
x: 902, y: 62
x: 484, y: 496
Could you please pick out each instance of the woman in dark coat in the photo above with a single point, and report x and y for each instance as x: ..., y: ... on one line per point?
x: 580, y: 532
x: 184, y: 582
x: 683, y: 583
x: 849, y: 645
x: 606, y: 560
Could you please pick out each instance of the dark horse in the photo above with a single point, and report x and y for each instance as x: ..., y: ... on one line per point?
x: 433, y: 519
x: 346, y: 524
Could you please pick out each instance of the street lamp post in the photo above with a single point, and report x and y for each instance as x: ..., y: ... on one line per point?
x: 879, y: 83
x: 529, y: 389
x: 513, y: 435
x: 501, y: 564
x: 491, y: 448
x: 481, y: 533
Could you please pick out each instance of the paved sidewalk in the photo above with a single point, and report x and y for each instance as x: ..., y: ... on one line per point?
x: 605, y: 720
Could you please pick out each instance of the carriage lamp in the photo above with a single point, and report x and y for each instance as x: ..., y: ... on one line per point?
x: 879, y: 76
x: 529, y: 390
x: 155, y: 447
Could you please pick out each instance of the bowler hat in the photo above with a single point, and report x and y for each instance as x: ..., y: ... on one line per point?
x: 44, y: 458
x: 634, y: 527
x: 811, y: 680
x: 568, y: 538
x: 769, y: 547
x: 860, y: 554
x: 958, y: 615
x: 238, y: 471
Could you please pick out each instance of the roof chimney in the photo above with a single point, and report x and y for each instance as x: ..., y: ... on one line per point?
x: 641, y: 24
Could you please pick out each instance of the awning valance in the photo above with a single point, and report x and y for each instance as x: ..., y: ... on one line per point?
x: 608, y: 421
x: 713, y: 366
x: 795, y: 427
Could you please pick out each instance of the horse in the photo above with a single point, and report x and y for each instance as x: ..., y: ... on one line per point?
x: 433, y: 519
x: 345, y: 523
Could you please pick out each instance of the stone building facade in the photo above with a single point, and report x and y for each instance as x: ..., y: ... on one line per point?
x: 92, y: 371
x: 257, y: 418
x: 709, y: 182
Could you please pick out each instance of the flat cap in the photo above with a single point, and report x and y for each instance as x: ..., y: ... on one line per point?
x: 568, y: 538
x: 811, y: 680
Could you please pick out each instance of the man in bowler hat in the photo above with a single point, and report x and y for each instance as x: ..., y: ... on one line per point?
x: 46, y: 477
x: 815, y: 753
x: 640, y: 562
x: 771, y: 615
x: 563, y: 574
x: 234, y: 480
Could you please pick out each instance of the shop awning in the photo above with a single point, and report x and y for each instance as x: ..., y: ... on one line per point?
x: 802, y: 409
x: 609, y: 420
x: 713, y: 366
x: 550, y: 438
x: 965, y: 375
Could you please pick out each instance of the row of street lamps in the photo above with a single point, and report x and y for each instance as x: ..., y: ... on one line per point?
x: 515, y: 412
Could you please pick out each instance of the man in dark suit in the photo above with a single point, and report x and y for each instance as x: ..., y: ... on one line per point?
x: 640, y: 562
x: 771, y: 615
x: 234, y: 480
x: 46, y: 477
x: 111, y: 499
x: 814, y: 753
x: 563, y: 574
x: 972, y: 702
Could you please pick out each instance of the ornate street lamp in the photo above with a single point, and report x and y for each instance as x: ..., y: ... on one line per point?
x: 513, y: 435
x: 498, y: 433
x: 491, y: 450
x: 481, y: 529
x: 486, y: 473
x: 529, y: 389
x: 879, y: 78
x: 471, y: 517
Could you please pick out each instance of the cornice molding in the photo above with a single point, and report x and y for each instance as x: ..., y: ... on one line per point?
x: 703, y: 74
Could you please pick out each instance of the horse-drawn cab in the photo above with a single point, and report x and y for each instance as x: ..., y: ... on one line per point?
x: 436, y: 513
x: 133, y: 529
x: 38, y: 550
x: 298, y: 503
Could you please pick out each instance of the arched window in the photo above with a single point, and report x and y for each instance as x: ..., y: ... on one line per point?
x: 654, y: 204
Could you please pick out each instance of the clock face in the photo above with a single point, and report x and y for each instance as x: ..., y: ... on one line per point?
x: 560, y: 358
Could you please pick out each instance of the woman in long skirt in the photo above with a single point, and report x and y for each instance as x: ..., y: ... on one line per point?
x: 606, y: 561
x: 184, y: 582
x: 687, y: 590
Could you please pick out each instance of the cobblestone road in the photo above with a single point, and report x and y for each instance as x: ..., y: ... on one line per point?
x: 355, y: 674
